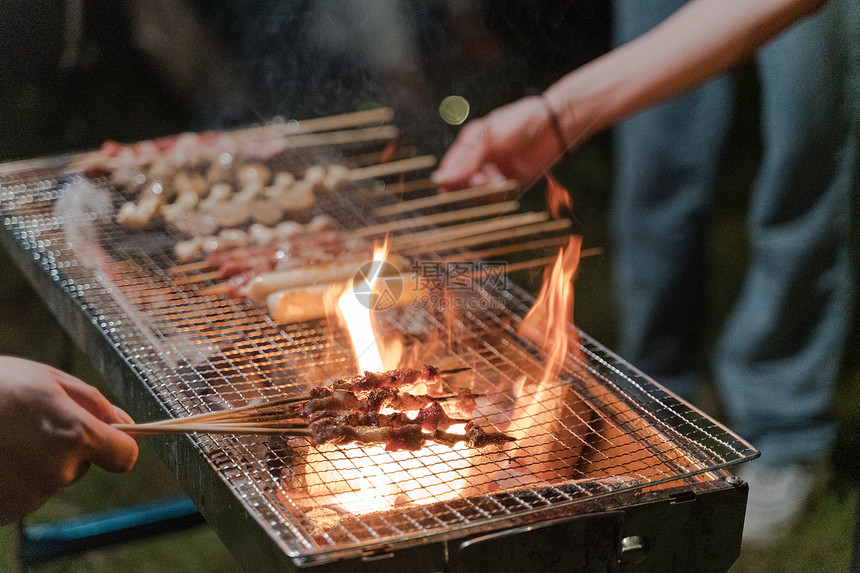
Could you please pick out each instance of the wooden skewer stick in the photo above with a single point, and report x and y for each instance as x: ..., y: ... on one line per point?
x: 508, y: 249
x: 327, y: 123
x: 341, y: 137
x: 398, y: 188
x: 188, y: 268
x: 445, y: 198
x: 366, y: 159
x: 239, y: 410
x: 352, y: 119
x: 532, y: 263
x: 199, y: 278
x: 220, y: 288
x: 478, y: 212
x: 445, y: 234
x: 456, y: 237
x: 492, y: 237
x: 441, y: 234
x: 392, y: 167
x: 236, y: 429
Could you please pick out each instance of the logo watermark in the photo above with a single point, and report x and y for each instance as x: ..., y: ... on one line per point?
x: 459, y: 285
x: 387, y: 289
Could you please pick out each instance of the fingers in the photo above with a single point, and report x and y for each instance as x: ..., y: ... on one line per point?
x: 109, y: 448
x: 91, y: 399
x: 465, y: 157
x: 99, y: 442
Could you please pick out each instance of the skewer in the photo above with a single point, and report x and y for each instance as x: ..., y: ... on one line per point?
x: 492, y: 237
x: 236, y: 429
x: 538, y: 262
x: 279, y: 403
x: 200, y: 278
x: 367, y: 159
x: 188, y: 268
x: 453, y: 232
x: 392, y: 167
x: 352, y: 119
x: 428, y: 238
x: 508, y: 249
x: 437, y: 219
x: 326, y: 123
x: 341, y: 137
x: 399, y: 188
x: 480, y: 211
x: 446, y: 198
x: 248, y: 408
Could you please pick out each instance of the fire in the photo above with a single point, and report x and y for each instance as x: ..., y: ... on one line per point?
x: 558, y: 200
x: 356, y: 316
x: 388, y: 152
x: 546, y: 324
x: 361, y: 479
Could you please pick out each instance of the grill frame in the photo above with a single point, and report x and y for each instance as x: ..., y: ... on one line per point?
x: 241, y: 524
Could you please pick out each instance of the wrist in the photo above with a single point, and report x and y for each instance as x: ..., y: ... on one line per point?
x: 555, y: 123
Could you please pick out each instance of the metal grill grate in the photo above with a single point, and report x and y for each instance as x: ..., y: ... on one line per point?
x: 600, y: 429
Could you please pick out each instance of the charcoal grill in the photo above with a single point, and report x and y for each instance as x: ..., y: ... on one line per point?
x: 611, y: 471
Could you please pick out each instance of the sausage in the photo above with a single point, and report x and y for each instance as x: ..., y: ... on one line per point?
x: 265, y: 284
x: 309, y: 302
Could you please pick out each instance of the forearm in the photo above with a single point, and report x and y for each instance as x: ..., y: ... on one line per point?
x: 699, y: 41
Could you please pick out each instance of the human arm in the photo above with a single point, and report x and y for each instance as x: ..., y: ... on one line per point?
x: 701, y: 40
x: 52, y: 427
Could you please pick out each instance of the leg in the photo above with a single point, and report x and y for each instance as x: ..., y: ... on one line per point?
x: 666, y: 162
x: 779, y: 357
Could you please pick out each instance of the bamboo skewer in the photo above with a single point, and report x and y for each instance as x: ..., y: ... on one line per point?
x: 341, y: 121
x: 393, y: 226
x: 237, y: 411
x: 445, y: 199
x: 491, y: 237
x: 446, y: 234
x: 438, y: 240
x: 392, y: 167
x: 427, y: 238
x: 188, y: 268
x: 543, y: 261
x: 399, y: 188
x: 368, y: 159
x: 236, y: 429
x: 508, y: 249
x: 436, y: 219
x: 360, y: 135
x: 318, y: 124
x: 199, y: 278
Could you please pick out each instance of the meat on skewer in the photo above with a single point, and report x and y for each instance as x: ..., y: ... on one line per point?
x: 405, y: 437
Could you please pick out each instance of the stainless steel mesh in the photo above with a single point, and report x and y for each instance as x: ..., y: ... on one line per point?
x: 602, y: 427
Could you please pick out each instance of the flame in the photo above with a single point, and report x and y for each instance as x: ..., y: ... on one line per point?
x: 356, y: 316
x: 558, y: 199
x: 546, y: 324
x: 388, y: 152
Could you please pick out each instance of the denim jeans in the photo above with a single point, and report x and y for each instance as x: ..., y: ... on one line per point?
x: 777, y: 360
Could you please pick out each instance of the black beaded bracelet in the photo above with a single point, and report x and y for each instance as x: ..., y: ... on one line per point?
x: 556, y: 125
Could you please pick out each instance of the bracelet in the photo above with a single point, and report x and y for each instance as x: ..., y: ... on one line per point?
x: 556, y: 125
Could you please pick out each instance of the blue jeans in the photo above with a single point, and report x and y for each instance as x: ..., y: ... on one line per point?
x: 777, y: 360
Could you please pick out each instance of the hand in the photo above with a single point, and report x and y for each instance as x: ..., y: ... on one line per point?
x: 52, y: 426
x: 515, y: 141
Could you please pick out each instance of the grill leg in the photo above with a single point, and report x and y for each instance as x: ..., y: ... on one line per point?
x: 44, y: 542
